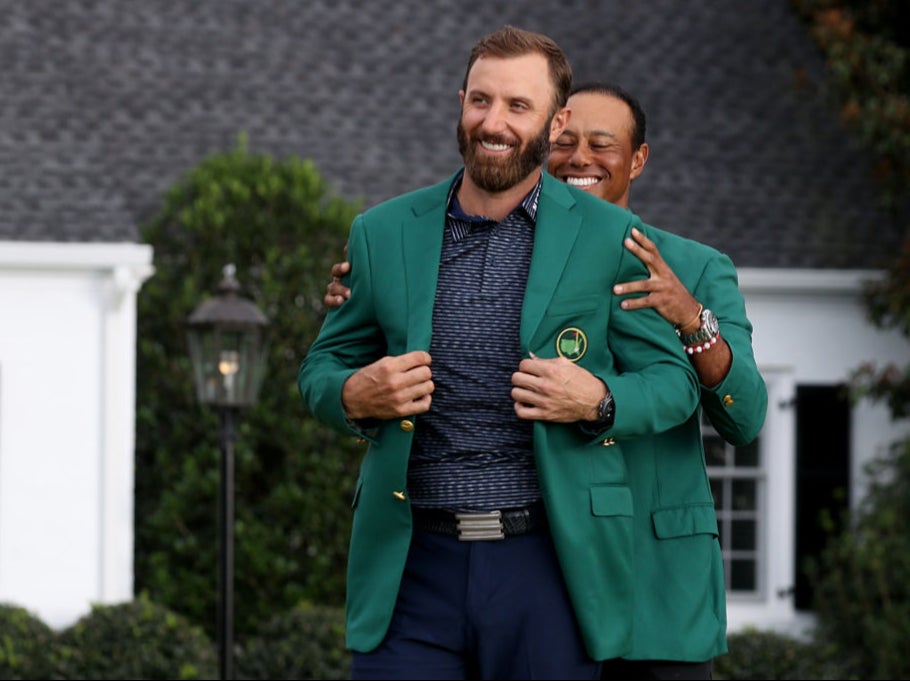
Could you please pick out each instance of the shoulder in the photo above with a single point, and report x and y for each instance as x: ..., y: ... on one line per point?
x: 675, y: 245
x: 574, y: 199
x: 417, y: 202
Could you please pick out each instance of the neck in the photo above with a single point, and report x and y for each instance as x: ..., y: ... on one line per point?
x: 495, y: 205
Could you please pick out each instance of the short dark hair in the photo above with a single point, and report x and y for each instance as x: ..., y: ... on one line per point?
x: 509, y: 41
x: 639, y: 122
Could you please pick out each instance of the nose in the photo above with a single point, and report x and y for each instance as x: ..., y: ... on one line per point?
x: 494, y: 121
x: 580, y: 155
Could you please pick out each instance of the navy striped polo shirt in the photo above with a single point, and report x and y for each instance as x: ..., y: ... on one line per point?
x: 471, y: 452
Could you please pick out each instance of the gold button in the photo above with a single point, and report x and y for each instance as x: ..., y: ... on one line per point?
x: 399, y: 495
x: 407, y: 426
x: 361, y: 440
x: 728, y: 400
x: 609, y: 442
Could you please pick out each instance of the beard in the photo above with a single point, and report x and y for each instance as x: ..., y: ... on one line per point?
x: 499, y: 174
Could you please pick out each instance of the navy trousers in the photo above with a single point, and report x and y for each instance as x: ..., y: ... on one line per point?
x: 480, y: 610
x: 657, y: 670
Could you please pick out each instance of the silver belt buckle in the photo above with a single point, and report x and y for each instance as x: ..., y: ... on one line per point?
x: 480, y: 526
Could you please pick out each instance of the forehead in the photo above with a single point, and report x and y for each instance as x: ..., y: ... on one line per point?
x: 524, y: 77
x: 594, y: 112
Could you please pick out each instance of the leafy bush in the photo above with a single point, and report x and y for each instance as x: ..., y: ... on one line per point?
x: 306, y: 642
x: 135, y: 640
x: 294, y: 478
x: 755, y: 654
x: 26, y: 645
x: 862, y: 578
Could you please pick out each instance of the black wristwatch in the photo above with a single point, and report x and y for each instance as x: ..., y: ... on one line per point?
x: 605, y: 411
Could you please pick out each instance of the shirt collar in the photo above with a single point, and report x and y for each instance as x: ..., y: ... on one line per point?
x: 462, y: 223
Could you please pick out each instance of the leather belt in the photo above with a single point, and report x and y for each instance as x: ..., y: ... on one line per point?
x: 487, y: 526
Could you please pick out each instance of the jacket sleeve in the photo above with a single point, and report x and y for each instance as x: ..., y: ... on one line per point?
x: 349, y: 339
x: 736, y: 406
x: 656, y: 387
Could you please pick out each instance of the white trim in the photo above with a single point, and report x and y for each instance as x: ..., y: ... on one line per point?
x: 780, y: 280
x: 75, y: 256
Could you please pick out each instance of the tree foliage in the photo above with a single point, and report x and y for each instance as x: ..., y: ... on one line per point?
x: 866, y: 47
x: 277, y: 223
x: 861, y: 578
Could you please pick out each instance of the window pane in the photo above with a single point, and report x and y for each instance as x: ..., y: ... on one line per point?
x: 715, y: 454
x: 742, y: 575
x: 743, y: 535
x: 717, y: 490
x: 747, y: 457
x: 744, y: 495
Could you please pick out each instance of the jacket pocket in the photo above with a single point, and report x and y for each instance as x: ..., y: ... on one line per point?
x: 684, y: 521
x: 611, y: 500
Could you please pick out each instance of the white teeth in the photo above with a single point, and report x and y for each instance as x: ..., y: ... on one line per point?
x: 494, y: 147
x: 582, y: 181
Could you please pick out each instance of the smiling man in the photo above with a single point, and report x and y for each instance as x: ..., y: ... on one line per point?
x: 680, y: 611
x: 680, y: 606
x: 483, y: 358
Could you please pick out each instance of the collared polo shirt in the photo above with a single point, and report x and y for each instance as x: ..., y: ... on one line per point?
x: 471, y: 452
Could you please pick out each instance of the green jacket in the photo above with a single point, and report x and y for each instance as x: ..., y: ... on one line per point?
x: 394, y: 251
x: 680, y: 598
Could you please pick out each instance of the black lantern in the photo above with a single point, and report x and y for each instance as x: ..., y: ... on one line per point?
x: 227, y: 340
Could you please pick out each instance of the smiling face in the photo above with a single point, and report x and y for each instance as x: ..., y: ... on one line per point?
x: 595, y: 152
x: 507, y: 120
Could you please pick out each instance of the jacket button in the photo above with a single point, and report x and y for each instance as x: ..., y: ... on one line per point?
x: 728, y: 400
x: 609, y: 442
x: 407, y: 426
x: 399, y: 495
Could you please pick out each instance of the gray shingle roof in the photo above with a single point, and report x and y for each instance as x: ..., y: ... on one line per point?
x: 106, y: 103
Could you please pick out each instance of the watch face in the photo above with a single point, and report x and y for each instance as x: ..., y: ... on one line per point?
x: 709, y: 320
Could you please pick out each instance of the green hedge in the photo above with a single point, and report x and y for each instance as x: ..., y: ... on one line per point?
x: 277, y: 222
x: 141, y: 640
x: 24, y: 644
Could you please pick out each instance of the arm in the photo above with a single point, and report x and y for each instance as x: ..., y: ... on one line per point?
x: 733, y: 392
x: 667, y: 295
x: 737, y: 405
x: 649, y: 376
x: 346, y: 375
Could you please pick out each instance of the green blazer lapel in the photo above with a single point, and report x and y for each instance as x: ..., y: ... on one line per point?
x: 554, y: 236
x: 422, y: 231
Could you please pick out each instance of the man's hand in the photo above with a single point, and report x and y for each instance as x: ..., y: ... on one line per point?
x: 390, y: 388
x: 556, y: 390
x: 336, y: 292
x: 666, y: 294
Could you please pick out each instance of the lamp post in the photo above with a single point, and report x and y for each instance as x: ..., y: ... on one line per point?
x: 227, y: 340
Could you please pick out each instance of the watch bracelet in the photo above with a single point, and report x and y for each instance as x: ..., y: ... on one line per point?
x: 709, y: 329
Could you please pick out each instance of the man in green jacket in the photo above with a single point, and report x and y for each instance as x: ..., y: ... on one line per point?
x: 496, y: 380
x: 680, y: 611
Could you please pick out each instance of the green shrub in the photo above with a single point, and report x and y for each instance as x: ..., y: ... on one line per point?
x: 26, y: 645
x: 135, y: 640
x: 862, y: 578
x: 306, y: 642
x: 294, y: 478
x: 755, y: 654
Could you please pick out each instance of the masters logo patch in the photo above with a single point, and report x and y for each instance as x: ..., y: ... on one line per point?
x: 571, y: 343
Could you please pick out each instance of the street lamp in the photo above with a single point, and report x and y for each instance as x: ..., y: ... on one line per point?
x: 228, y: 348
